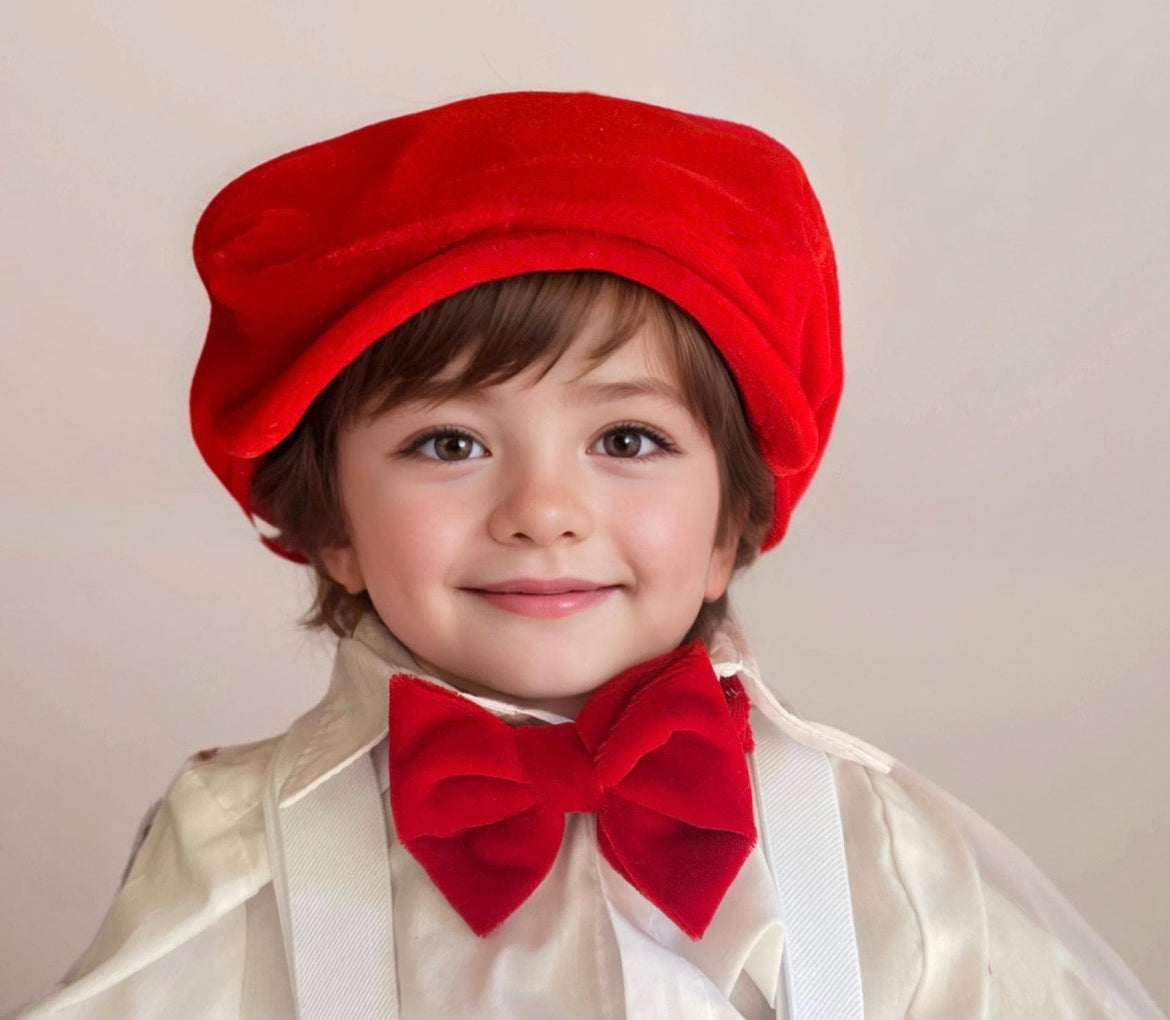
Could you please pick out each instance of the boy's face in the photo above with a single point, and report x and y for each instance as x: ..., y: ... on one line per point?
x: 542, y: 480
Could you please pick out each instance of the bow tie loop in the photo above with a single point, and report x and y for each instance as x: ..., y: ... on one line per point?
x: 456, y: 763
x: 560, y: 767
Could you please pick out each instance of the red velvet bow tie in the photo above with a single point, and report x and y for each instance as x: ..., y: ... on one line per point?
x: 657, y: 752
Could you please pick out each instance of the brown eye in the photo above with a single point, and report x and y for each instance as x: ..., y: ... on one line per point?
x: 449, y: 446
x: 452, y: 447
x: 623, y: 443
x: 635, y: 442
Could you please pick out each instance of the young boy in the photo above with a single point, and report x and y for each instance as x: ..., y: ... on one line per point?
x: 525, y: 379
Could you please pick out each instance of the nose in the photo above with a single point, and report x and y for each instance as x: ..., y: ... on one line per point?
x: 541, y: 503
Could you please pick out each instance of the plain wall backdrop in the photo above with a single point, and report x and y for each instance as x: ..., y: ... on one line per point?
x: 978, y: 578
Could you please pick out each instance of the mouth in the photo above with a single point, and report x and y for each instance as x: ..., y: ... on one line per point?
x: 529, y: 597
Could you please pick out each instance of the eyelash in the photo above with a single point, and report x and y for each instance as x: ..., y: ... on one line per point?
x: 667, y: 447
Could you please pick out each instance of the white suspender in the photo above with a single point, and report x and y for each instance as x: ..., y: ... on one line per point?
x: 331, y: 873
x: 805, y: 847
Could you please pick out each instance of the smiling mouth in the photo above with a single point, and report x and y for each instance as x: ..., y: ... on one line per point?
x: 545, y: 604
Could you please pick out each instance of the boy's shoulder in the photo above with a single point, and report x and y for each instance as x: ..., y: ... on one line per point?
x: 215, y: 791
x: 198, y: 854
x: 935, y: 882
x: 230, y: 775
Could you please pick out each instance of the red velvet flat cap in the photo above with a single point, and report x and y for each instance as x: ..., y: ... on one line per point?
x: 315, y: 254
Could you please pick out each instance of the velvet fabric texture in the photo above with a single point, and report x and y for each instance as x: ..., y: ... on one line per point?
x: 311, y: 256
x: 658, y: 752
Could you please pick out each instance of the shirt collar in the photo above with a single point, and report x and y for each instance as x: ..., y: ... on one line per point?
x: 731, y: 656
x: 351, y: 718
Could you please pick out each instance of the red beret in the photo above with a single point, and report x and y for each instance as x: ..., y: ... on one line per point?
x: 313, y: 255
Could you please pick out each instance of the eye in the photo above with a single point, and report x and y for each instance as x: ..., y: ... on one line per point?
x: 627, y: 441
x: 449, y: 445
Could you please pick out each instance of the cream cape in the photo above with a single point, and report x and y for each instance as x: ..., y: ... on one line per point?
x: 952, y: 920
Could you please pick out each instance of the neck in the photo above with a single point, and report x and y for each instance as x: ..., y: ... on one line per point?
x: 567, y: 706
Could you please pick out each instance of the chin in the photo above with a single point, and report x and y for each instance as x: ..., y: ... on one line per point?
x: 546, y: 686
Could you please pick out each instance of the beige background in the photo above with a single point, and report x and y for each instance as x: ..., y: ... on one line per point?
x: 979, y: 577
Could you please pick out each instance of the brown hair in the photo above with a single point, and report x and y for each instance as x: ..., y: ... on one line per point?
x: 504, y: 326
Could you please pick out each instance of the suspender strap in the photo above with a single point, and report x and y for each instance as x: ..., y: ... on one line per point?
x: 331, y: 873
x: 806, y: 848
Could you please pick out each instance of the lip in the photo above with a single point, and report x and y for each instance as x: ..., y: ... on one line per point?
x: 538, y: 586
x: 545, y: 604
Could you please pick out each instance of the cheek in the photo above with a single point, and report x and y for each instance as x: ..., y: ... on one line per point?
x: 670, y: 528
x: 407, y: 537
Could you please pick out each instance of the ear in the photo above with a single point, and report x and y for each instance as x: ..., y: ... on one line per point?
x: 720, y: 568
x: 341, y: 564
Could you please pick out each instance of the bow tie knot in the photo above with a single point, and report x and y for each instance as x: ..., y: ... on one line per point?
x: 560, y: 767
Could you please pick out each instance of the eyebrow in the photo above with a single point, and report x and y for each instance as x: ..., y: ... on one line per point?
x: 641, y: 387
x: 599, y: 392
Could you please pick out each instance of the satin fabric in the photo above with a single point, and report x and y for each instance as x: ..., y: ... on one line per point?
x: 952, y: 920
